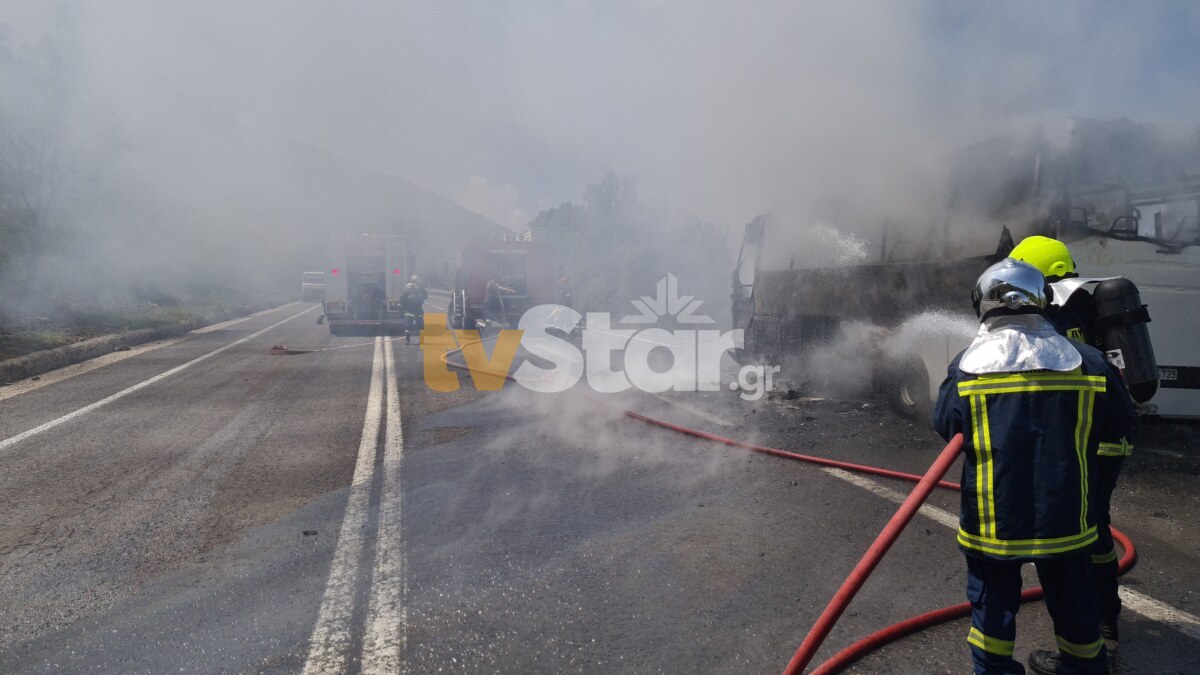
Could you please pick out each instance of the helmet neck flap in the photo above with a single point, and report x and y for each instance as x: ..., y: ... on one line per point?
x: 1019, y: 343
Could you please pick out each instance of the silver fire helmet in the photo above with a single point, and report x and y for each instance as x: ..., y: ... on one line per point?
x: 1009, y: 287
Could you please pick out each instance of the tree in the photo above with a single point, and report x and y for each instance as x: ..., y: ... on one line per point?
x: 36, y: 92
x: 615, y: 247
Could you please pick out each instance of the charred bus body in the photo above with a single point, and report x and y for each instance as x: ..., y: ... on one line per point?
x: 791, y: 312
x: 1148, y: 234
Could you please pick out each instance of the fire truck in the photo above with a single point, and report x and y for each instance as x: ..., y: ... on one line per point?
x: 363, y: 284
x: 519, y: 272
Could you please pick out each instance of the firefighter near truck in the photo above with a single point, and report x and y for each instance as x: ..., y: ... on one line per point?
x: 364, y: 283
x: 498, y: 281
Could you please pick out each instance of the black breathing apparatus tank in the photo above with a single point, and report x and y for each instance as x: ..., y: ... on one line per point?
x: 1121, y: 320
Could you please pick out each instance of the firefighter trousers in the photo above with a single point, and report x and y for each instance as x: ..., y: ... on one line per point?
x: 1104, y: 554
x: 994, y: 590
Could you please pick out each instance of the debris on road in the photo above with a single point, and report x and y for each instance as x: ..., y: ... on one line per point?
x: 282, y: 350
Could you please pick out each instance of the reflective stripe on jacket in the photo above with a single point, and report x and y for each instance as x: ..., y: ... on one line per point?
x: 1030, y: 442
x: 1122, y: 448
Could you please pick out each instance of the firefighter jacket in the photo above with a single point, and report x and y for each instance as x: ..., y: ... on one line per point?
x: 413, y: 298
x: 1031, y: 440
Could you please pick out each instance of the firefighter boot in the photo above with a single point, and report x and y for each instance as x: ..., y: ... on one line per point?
x: 1046, y: 662
x: 1108, y: 631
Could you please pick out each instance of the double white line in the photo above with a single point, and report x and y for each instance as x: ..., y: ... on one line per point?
x: 331, y: 646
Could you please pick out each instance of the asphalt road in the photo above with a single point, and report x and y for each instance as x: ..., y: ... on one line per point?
x: 203, y: 506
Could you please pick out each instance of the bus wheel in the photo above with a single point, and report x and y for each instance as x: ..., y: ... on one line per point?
x: 905, y: 385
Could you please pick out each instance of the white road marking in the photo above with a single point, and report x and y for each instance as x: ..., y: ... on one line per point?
x: 233, y: 322
x: 67, y: 372
x: 1140, y: 603
x: 387, y: 618
x: 702, y: 414
x: 13, y: 440
x: 1136, y: 602
x: 941, y: 516
x: 329, y: 646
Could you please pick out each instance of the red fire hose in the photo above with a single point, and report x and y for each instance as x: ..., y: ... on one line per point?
x: 909, y: 626
x: 849, y: 466
x: 860, y: 573
x: 833, y: 611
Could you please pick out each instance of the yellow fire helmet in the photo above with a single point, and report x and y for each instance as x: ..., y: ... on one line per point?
x: 1049, y: 256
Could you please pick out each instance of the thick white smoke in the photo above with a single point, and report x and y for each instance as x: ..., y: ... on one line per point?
x: 181, y: 114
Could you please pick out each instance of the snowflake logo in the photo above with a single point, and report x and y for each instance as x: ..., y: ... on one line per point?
x: 667, y: 301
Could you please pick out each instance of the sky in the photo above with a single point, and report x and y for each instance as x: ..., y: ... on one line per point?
x: 721, y: 109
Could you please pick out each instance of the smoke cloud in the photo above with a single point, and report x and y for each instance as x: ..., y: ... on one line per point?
x: 225, y: 135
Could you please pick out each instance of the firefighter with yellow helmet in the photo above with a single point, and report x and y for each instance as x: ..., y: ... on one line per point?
x: 1032, y: 407
x: 1106, y: 314
x: 1051, y: 257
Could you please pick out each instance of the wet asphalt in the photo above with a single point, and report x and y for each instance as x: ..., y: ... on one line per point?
x: 190, y: 526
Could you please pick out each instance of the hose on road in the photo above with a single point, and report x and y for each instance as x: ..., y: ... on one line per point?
x: 862, y: 571
x: 284, y: 350
x: 858, y: 577
x: 894, y: 632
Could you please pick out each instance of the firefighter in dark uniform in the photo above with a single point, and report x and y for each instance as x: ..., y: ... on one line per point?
x: 493, y: 301
x: 412, y: 303
x: 1076, y: 315
x: 563, y: 295
x: 1033, y: 407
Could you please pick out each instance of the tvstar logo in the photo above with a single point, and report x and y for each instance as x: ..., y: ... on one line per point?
x: 610, y: 357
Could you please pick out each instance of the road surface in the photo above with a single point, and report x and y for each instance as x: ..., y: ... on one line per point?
x: 202, y: 506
